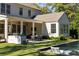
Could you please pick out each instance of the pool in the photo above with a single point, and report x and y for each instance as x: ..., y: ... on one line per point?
x: 69, y: 46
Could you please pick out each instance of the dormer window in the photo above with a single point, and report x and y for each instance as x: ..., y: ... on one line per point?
x: 29, y: 13
x: 20, y: 11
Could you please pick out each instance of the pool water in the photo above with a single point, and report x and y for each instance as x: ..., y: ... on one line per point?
x: 70, y: 46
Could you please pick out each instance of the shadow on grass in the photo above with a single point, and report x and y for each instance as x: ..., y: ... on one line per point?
x: 14, y: 48
x: 35, y: 54
x: 9, y: 49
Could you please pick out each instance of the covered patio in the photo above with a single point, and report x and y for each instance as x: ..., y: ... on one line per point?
x: 11, y: 25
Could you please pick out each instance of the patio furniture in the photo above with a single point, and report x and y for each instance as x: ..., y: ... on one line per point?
x: 56, y: 50
x: 29, y: 36
x: 36, y: 38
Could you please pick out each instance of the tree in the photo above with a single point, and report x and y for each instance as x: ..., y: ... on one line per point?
x: 68, y: 8
x: 45, y: 9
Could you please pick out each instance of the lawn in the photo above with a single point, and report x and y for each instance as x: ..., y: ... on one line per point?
x: 9, y: 49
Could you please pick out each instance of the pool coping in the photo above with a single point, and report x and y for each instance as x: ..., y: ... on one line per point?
x: 47, y: 48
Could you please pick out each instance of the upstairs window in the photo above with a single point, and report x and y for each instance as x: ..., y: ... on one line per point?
x: 5, y: 8
x: 53, y: 28
x: 20, y: 11
x: 2, y: 8
x: 29, y: 13
x: 8, y: 9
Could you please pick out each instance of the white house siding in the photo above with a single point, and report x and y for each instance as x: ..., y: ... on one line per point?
x: 15, y: 10
x: 0, y: 8
x: 47, y: 29
x: 64, y: 20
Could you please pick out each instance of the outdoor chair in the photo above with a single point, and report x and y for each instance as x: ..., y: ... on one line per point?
x: 36, y: 37
x: 57, y: 51
x: 39, y: 37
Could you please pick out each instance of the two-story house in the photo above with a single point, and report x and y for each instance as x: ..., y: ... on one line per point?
x: 19, y: 18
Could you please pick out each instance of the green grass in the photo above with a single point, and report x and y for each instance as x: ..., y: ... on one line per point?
x: 8, y: 49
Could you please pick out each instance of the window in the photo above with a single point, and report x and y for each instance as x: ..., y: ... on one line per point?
x: 8, y: 9
x: 53, y: 28
x: 13, y: 28
x: 1, y: 25
x: 29, y: 13
x: 20, y: 11
x: 65, y: 28
x: 1, y: 28
x: 24, y: 29
x: 5, y: 8
x: 2, y: 8
x: 61, y: 28
x: 18, y: 29
x: 35, y: 29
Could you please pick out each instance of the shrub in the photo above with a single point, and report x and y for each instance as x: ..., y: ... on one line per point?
x: 45, y: 37
x: 69, y: 37
x: 62, y: 37
x: 74, y: 33
x: 54, y: 38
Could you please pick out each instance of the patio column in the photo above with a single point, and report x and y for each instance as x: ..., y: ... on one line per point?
x: 6, y: 29
x: 33, y: 31
x: 21, y: 27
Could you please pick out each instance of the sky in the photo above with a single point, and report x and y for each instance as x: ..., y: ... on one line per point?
x: 42, y: 4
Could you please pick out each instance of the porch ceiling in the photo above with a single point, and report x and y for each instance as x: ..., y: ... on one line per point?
x: 3, y: 17
x: 14, y: 18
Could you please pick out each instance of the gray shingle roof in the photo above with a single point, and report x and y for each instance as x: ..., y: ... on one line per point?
x: 49, y: 17
x: 31, y: 5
